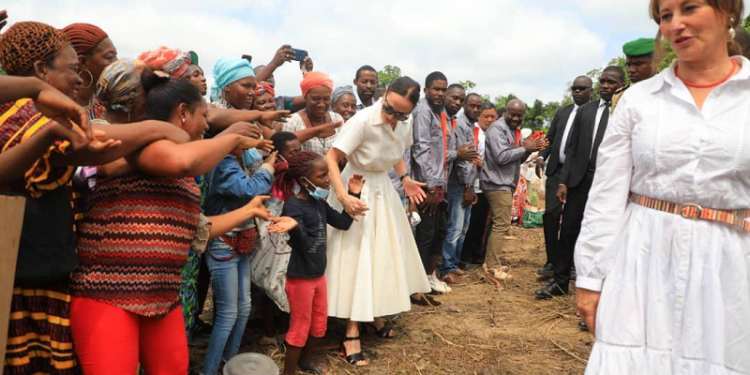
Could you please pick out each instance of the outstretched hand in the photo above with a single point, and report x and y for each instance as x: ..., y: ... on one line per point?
x: 257, y: 209
x: 356, y: 182
x: 413, y: 190
x: 282, y: 224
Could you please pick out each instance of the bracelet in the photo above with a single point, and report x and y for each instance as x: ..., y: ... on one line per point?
x: 403, y: 176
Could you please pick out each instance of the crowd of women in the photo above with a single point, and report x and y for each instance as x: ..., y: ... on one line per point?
x: 139, y: 194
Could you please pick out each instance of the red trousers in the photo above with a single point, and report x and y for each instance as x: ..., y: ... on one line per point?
x: 112, y: 341
x: 308, y: 309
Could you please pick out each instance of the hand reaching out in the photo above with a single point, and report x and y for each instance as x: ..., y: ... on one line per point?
x: 257, y: 209
x: 356, y: 183
x: 282, y: 224
x: 261, y: 144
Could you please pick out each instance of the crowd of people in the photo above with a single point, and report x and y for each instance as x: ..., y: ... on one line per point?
x: 357, y: 203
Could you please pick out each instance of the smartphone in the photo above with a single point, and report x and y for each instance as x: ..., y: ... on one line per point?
x: 299, y: 54
x: 248, y: 58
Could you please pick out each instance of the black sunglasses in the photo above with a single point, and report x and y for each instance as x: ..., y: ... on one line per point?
x: 579, y: 88
x: 390, y: 111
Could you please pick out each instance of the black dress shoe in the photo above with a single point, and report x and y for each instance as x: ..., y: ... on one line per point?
x: 551, y: 290
x: 547, y: 271
x: 583, y: 326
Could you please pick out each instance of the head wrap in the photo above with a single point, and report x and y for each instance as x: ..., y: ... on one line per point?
x: 639, y: 47
x: 118, y: 85
x: 26, y: 42
x: 228, y: 70
x: 341, y: 91
x: 84, y: 37
x: 264, y: 87
x: 171, y: 61
x: 313, y: 80
x: 193, y: 57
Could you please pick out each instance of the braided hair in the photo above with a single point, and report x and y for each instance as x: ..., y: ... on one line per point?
x: 300, y: 165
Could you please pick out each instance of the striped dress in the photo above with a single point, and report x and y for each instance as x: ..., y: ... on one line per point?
x: 39, y: 337
x: 135, y: 240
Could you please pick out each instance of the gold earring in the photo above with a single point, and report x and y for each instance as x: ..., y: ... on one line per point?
x: 91, y: 78
x: 732, y: 32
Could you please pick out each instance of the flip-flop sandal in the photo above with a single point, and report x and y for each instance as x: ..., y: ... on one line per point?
x: 384, y: 332
x: 311, y: 368
x: 432, y: 301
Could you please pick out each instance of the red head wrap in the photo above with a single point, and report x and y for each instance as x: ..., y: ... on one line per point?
x: 169, y: 60
x: 315, y: 79
x: 264, y: 87
x: 84, y: 37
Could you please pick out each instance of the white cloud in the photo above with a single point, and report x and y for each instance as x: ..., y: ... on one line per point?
x: 504, y: 46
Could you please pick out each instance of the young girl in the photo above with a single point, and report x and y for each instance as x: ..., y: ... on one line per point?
x: 306, y: 284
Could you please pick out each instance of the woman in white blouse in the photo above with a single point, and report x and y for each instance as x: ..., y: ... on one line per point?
x: 664, y: 242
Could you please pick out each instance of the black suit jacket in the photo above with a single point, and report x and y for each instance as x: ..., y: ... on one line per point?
x: 555, y: 136
x: 578, y: 149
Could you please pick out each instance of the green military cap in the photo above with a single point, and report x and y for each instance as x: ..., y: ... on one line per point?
x: 639, y: 47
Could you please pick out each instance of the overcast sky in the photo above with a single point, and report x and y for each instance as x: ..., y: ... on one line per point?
x: 532, y: 48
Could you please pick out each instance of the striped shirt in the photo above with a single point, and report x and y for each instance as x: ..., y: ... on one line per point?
x: 135, y: 240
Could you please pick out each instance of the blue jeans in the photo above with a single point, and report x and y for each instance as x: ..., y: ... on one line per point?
x: 230, y: 281
x: 458, y: 224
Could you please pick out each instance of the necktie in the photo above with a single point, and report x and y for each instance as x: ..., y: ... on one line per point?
x: 599, y: 135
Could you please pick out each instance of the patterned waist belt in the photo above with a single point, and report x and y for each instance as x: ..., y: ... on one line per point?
x: 739, y: 219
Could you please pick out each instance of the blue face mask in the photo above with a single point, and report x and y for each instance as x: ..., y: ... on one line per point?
x: 319, y: 194
x: 250, y: 157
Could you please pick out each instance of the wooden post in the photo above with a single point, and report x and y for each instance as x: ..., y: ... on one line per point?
x: 11, y: 221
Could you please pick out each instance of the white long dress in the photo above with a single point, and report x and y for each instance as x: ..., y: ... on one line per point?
x: 675, y: 292
x: 375, y: 266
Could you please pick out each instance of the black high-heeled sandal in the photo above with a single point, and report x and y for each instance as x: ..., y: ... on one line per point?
x: 352, y: 359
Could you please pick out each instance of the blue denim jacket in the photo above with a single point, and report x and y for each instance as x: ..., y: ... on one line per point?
x: 229, y: 188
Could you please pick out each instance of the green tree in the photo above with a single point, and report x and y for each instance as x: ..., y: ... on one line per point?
x: 746, y: 23
x: 388, y: 75
x: 468, y: 84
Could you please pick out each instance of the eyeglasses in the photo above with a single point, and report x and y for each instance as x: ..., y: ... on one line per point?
x: 390, y: 111
x: 579, y: 88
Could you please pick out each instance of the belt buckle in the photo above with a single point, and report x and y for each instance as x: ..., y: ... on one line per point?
x: 684, y: 211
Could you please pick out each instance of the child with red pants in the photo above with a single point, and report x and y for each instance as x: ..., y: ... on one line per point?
x: 305, y: 283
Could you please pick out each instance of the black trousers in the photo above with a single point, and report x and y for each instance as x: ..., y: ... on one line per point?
x: 430, y: 234
x: 475, y: 243
x: 571, y: 227
x: 552, y: 214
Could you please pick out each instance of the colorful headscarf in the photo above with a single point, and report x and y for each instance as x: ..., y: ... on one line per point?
x: 26, y: 42
x: 118, y: 85
x: 313, y: 80
x: 84, y: 36
x: 171, y: 61
x: 264, y: 87
x: 228, y: 70
x: 341, y: 91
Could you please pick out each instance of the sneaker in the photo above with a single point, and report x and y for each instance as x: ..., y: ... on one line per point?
x: 436, y: 285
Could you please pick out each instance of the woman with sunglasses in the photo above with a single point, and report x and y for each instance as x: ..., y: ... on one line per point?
x: 375, y: 266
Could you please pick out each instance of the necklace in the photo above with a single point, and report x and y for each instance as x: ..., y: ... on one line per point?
x: 707, y: 85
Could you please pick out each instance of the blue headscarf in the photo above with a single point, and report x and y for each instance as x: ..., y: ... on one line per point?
x: 228, y: 70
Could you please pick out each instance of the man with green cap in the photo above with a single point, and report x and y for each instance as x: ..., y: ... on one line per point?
x: 639, y: 60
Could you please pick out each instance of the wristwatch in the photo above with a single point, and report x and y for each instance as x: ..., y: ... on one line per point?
x: 403, y: 176
x: 432, y: 191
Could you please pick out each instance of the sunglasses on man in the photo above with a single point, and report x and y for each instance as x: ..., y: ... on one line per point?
x: 579, y: 88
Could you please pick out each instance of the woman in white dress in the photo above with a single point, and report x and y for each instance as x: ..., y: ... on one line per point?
x: 664, y: 242
x: 375, y: 266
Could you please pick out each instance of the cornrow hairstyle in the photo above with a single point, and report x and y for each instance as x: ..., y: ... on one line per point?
x: 300, y: 165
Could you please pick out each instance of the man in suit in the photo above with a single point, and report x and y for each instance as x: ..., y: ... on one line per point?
x: 577, y: 175
x: 559, y: 132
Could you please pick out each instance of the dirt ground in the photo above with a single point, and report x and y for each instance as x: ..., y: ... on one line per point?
x: 476, y: 331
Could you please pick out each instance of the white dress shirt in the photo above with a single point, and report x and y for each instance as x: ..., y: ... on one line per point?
x: 675, y: 292
x: 566, y: 133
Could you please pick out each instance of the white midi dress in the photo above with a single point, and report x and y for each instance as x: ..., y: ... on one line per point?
x: 675, y: 291
x: 374, y: 266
